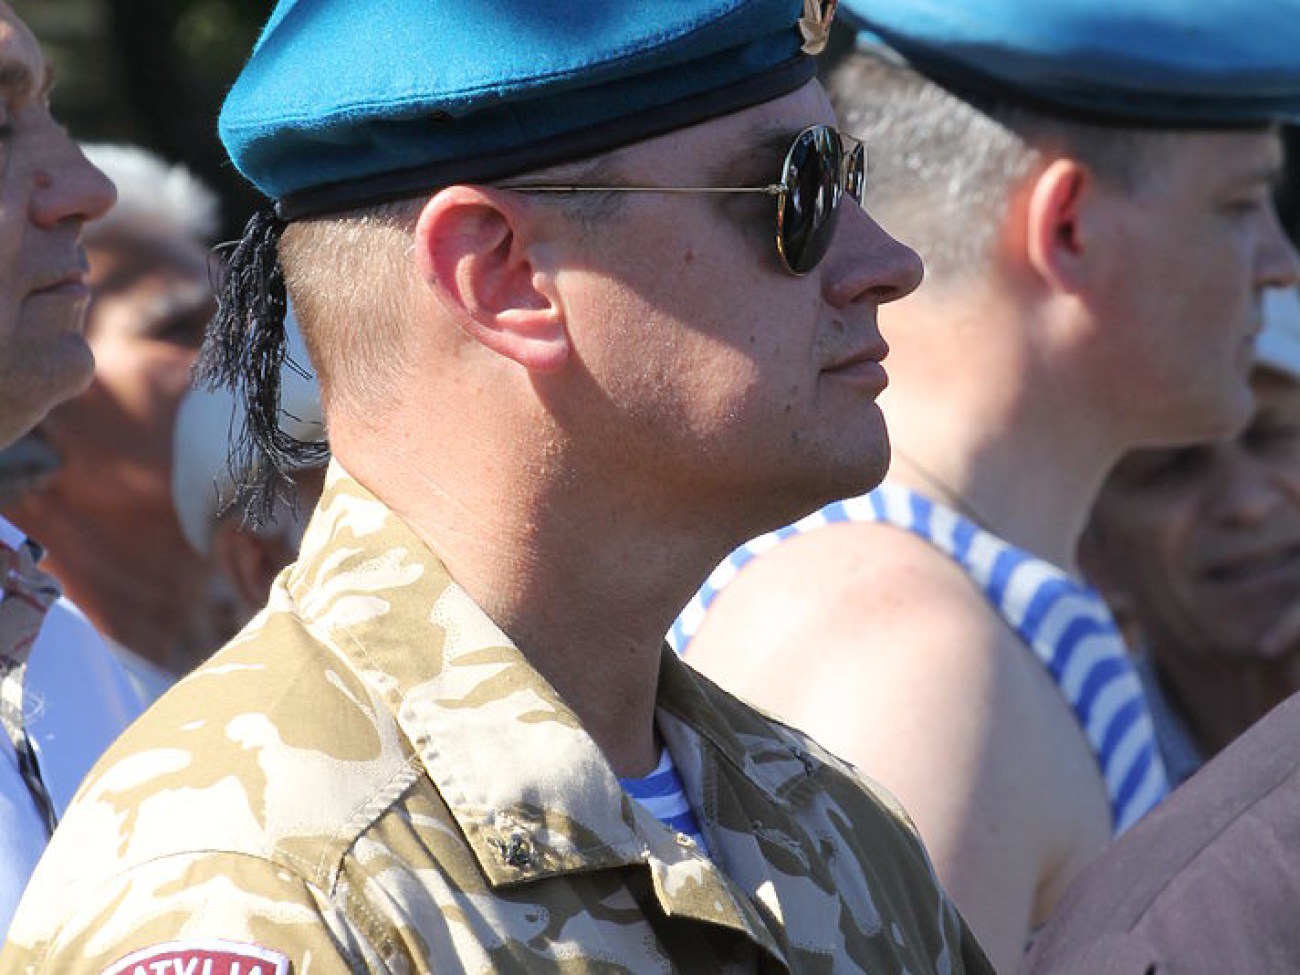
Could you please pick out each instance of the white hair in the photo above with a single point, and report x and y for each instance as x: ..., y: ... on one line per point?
x: 154, y: 197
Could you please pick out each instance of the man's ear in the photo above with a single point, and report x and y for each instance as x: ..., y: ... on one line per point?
x: 476, y: 247
x: 1058, y: 224
x: 250, y: 561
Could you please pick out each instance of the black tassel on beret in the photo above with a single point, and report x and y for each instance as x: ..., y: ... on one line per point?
x: 244, y: 349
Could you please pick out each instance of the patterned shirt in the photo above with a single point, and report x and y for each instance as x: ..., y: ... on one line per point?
x: 372, y: 778
x: 1066, y: 625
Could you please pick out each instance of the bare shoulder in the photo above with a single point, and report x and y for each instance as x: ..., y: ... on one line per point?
x: 853, y: 603
x: 884, y: 649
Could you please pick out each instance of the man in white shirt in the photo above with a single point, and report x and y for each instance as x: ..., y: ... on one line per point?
x: 78, y: 701
x: 62, y: 699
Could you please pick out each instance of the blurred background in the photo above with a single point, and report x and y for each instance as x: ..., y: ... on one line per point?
x: 152, y: 73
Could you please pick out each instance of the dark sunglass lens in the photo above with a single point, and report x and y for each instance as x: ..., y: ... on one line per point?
x: 808, y: 215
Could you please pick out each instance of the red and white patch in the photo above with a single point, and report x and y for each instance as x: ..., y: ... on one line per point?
x: 201, y: 957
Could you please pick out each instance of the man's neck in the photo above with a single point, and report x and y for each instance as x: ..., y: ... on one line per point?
x: 583, y: 589
x: 1026, y: 486
x: 984, y: 417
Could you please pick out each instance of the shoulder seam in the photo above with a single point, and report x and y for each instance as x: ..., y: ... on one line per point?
x: 363, y: 817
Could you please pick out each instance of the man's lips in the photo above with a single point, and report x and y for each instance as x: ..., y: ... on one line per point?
x: 69, y: 280
x: 1273, y: 563
x: 863, y: 366
x: 874, y: 351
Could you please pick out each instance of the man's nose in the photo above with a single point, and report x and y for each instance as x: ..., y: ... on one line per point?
x: 866, y: 263
x: 69, y: 188
x: 1248, y: 491
x: 1279, y: 264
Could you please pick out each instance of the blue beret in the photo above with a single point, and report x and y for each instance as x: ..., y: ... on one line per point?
x: 348, y: 102
x: 1172, y: 63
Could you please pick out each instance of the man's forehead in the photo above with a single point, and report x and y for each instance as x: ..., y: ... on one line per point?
x: 22, y: 66
x: 1257, y: 149
x: 759, y: 132
x: 1210, y: 161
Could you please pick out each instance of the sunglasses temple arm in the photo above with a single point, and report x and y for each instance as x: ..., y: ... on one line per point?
x: 773, y: 189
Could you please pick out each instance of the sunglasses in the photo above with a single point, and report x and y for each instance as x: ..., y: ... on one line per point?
x: 819, y: 170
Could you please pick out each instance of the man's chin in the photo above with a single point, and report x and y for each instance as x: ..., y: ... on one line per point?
x: 65, y: 371
x: 1220, y: 420
x: 75, y: 369
x: 851, y: 480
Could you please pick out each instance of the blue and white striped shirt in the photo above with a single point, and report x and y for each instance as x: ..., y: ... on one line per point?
x: 662, y: 793
x: 1066, y: 624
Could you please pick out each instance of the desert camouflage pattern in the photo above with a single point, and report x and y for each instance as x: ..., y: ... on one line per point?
x: 371, y: 778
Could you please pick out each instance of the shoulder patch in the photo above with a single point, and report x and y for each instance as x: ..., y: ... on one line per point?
x: 201, y: 956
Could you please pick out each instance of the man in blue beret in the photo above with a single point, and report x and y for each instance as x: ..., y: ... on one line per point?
x: 590, y: 300
x: 1090, y: 186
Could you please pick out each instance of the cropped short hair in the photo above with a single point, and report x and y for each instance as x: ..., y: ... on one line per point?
x: 349, y: 275
x: 941, y: 169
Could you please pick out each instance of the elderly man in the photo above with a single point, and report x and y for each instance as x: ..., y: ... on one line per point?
x: 1198, y: 547
x: 1090, y: 184
x: 62, y: 698
x: 590, y: 300
x: 105, y: 514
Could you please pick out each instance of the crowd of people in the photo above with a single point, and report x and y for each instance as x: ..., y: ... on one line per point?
x: 930, y: 376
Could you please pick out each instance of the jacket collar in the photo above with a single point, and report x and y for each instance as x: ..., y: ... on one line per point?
x: 528, y: 787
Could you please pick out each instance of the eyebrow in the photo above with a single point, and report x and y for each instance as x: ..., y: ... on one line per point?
x: 1271, y: 171
x: 759, y: 145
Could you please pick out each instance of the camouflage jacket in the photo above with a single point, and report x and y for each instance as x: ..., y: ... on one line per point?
x: 372, y: 778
